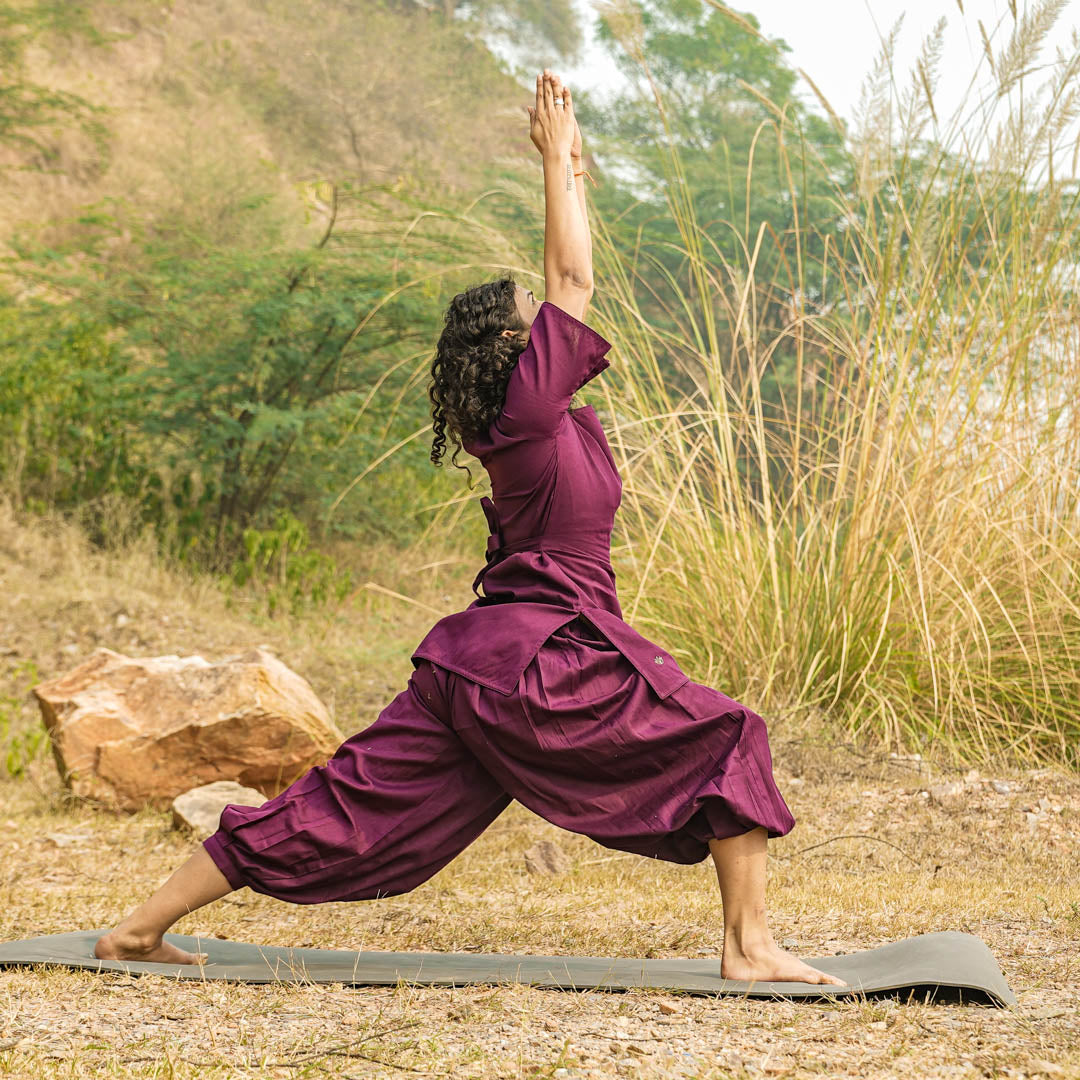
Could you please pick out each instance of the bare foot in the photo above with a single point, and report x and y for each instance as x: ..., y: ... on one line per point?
x: 769, y: 963
x: 124, y: 945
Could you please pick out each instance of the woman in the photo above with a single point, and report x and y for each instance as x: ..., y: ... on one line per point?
x: 538, y: 691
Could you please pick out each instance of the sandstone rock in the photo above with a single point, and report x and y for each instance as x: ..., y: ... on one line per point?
x: 947, y: 793
x: 128, y: 732
x: 200, y: 808
x: 546, y: 858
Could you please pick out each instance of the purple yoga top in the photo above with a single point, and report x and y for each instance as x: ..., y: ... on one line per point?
x: 556, y: 489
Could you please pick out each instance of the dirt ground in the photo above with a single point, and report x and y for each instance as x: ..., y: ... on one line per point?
x: 874, y: 858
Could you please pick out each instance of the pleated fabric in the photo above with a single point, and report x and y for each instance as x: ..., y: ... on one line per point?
x: 520, y: 696
x: 584, y: 742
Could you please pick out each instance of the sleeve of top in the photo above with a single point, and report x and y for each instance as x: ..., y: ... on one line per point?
x: 563, y: 354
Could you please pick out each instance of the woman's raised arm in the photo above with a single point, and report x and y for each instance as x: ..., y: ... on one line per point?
x: 567, y: 241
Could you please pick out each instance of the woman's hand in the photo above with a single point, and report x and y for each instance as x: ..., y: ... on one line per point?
x: 575, y: 146
x: 553, y: 128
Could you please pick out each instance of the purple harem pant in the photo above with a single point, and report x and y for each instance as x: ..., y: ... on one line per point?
x: 584, y: 742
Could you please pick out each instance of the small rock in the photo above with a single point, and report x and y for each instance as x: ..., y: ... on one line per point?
x: 1048, y: 1012
x: 971, y: 776
x: 546, y: 858
x: 200, y: 808
x: 1048, y: 1068
x: 789, y: 943
x: 1044, y: 804
x: 880, y: 1025
x: 669, y: 1008
x: 122, y: 620
x: 1032, y: 821
x: 70, y: 649
x: 61, y: 839
x: 948, y: 792
x: 1002, y: 787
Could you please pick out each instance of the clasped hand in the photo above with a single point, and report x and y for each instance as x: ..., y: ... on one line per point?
x: 554, y: 128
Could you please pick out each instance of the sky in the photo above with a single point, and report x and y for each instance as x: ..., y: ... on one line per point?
x: 836, y: 44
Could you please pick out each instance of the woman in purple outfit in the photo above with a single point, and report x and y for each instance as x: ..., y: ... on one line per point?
x: 538, y: 691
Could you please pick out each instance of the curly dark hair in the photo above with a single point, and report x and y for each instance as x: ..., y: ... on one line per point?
x: 472, y: 364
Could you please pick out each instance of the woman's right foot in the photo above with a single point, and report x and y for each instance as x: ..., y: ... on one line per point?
x: 769, y: 963
x: 124, y: 945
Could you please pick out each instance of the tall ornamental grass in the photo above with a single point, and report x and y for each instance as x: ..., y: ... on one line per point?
x: 894, y: 545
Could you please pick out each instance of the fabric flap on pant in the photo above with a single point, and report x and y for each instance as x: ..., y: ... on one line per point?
x: 493, y: 644
x: 657, y: 666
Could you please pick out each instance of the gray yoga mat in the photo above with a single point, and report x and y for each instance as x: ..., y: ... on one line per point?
x: 943, y: 966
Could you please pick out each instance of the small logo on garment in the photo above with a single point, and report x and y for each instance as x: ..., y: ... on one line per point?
x: 657, y: 659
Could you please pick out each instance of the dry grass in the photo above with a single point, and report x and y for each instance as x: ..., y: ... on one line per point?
x: 849, y: 440
x: 995, y: 864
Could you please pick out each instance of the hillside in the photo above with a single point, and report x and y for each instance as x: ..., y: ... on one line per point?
x: 204, y: 100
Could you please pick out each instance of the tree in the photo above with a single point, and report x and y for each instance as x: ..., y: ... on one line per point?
x: 538, y: 27
x: 29, y: 112
x: 712, y: 76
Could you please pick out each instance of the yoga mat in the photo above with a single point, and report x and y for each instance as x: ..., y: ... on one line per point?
x: 942, y: 966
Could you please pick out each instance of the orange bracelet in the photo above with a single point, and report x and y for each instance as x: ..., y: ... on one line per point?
x: 585, y: 172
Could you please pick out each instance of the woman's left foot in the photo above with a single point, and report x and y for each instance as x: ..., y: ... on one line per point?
x: 769, y: 963
x: 119, y: 945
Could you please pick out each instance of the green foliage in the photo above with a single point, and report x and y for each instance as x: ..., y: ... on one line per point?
x: 719, y: 85
x: 213, y: 383
x: 280, y: 565
x: 729, y: 145
x: 20, y: 745
x: 30, y: 113
x: 212, y: 343
x: 67, y: 414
